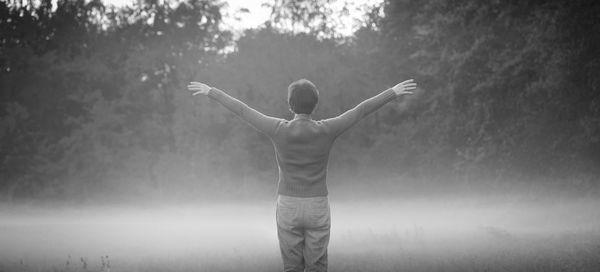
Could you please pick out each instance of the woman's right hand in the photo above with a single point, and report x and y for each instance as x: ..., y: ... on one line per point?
x: 405, y: 87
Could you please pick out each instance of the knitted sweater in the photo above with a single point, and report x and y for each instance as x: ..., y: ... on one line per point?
x: 302, y: 145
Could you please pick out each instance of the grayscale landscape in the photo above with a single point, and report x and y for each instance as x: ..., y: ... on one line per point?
x: 108, y: 162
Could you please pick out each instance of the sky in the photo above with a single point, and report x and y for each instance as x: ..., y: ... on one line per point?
x: 257, y: 15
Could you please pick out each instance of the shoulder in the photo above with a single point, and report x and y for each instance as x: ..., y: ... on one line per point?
x: 328, y: 121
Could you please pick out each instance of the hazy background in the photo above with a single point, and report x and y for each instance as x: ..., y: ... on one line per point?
x: 496, y: 158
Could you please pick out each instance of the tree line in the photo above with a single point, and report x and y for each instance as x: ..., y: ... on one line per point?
x: 93, y: 97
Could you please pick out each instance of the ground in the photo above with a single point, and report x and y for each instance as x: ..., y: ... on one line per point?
x: 420, y: 234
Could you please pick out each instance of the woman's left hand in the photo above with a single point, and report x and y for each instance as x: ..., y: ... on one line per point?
x: 198, y: 88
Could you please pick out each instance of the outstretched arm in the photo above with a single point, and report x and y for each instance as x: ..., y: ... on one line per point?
x: 261, y: 122
x: 347, y: 119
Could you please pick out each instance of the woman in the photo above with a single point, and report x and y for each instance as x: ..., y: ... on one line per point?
x: 302, y: 147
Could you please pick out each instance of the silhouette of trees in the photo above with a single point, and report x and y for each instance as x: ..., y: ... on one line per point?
x: 93, y: 98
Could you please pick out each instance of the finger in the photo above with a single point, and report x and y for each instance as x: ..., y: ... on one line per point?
x: 406, y: 85
x: 407, y: 81
x: 198, y: 92
x: 406, y: 88
x: 407, y: 93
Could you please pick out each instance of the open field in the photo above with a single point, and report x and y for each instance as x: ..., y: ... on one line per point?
x: 461, y: 234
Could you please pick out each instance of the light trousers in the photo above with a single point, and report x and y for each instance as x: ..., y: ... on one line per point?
x: 303, y: 226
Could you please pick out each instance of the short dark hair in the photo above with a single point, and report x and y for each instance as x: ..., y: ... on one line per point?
x: 303, y: 96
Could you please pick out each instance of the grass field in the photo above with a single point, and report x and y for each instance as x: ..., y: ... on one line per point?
x: 460, y: 234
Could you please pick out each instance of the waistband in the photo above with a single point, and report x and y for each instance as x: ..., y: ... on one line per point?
x: 298, y: 198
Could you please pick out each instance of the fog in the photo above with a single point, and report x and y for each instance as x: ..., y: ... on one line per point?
x: 412, y: 233
x: 107, y: 162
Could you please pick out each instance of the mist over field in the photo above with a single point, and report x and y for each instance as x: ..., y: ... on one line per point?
x: 108, y: 163
x: 369, y: 233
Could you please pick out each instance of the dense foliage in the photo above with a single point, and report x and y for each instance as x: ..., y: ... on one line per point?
x: 93, y: 98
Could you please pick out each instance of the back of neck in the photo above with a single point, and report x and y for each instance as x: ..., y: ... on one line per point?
x: 302, y: 116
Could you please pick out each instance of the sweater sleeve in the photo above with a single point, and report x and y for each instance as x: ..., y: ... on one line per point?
x: 263, y: 123
x: 347, y: 119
